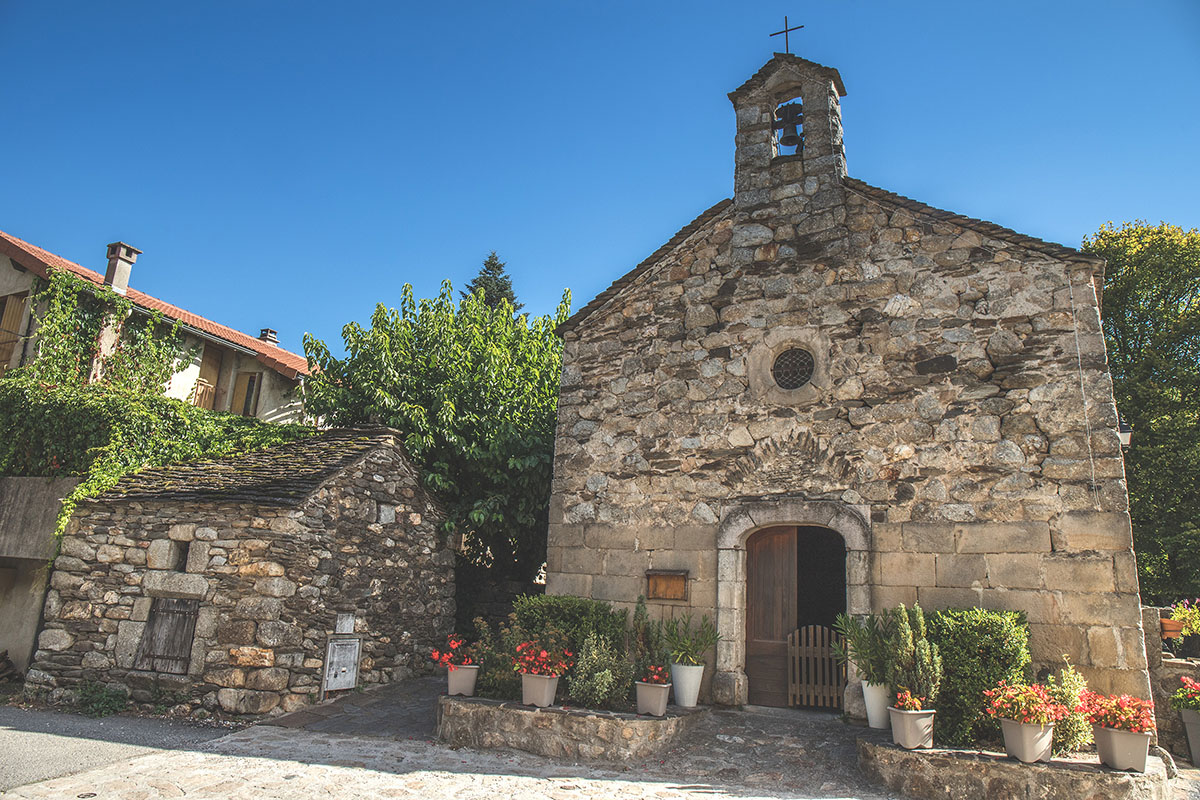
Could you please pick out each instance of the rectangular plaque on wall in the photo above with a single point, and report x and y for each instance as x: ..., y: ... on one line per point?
x: 666, y: 584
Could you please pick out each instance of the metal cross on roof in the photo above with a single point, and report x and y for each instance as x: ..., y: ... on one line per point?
x: 786, y: 45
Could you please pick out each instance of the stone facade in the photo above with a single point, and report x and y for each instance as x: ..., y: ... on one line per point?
x: 959, y: 429
x: 274, y: 546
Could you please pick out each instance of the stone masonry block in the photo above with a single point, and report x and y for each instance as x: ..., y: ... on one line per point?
x: 961, y: 570
x: 610, y: 537
x: 162, y: 554
x: 1002, y: 537
x: 197, y: 557
x: 888, y: 536
x: 1100, y: 609
x: 1125, y: 567
x: 928, y: 537
x: 1014, y: 570
x: 581, y: 560
x: 931, y: 597
x: 616, y: 588
x: 554, y: 558
x: 141, y: 609
x: 905, y: 569
x: 1093, y: 530
x: 175, y: 584
x: 183, y: 532
x: 630, y: 563
x: 885, y: 597
x: 1133, y: 648
x: 1104, y: 647
x: 567, y: 583
x: 1038, y: 606
x: 1079, y: 573
x: 129, y: 633
x: 1049, y: 643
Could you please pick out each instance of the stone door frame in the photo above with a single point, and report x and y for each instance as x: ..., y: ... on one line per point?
x: 738, y: 522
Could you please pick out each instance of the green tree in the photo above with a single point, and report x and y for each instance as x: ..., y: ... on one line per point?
x: 495, y: 283
x: 474, y: 388
x: 1151, y: 319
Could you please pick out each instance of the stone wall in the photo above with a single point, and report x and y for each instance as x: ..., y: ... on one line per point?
x: 960, y: 420
x: 968, y: 775
x: 557, y: 732
x: 271, y: 581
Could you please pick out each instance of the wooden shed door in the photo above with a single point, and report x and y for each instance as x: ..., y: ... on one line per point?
x: 770, y: 613
x: 166, y: 644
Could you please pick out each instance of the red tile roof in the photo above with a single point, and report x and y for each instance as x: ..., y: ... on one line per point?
x: 38, y: 261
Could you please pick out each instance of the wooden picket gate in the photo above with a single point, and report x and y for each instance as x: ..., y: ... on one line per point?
x: 814, y: 677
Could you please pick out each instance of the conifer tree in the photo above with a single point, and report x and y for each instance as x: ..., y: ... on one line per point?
x: 495, y: 282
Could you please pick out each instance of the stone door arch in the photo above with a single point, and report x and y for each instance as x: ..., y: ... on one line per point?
x: 738, y: 522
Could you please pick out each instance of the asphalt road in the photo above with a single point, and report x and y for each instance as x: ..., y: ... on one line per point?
x: 39, y: 745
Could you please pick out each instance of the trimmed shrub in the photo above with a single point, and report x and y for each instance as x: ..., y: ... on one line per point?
x: 915, y: 665
x: 601, y: 677
x: 981, y: 648
x: 646, y: 644
x: 575, y: 617
x: 493, y: 651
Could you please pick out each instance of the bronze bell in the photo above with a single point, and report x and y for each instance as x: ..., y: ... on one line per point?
x: 789, y: 118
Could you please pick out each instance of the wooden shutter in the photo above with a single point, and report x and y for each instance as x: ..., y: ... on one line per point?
x: 245, y: 394
x: 12, y: 311
x: 210, y: 372
x: 166, y: 644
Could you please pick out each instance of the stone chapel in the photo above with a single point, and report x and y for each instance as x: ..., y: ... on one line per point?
x: 820, y: 396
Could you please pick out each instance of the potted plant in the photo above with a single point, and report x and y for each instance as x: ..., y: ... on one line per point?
x: 1122, y: 726
x: 541, y: 662
x: 1027, y: 714
x: 652, y: 691
x: 1186, y: 701
x: 912, y: 723
x: 1184, y: 620
x: 865, y: 644
x: 687, y: 647
x: 461, y: 671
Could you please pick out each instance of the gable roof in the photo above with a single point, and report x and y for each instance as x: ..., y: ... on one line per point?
x: 777, y: 60
x: 283, y: 475
x: 981, y: 226
x: 39, y: 261
x: 620, y: 283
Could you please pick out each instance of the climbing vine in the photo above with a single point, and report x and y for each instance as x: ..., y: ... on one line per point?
x: 72, y: 317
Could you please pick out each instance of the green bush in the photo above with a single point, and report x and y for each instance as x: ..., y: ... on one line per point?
x: 688, y: 645
x: 493, y: 651
x: 915, y: 664
x: 97, y: 700
x: 575, y: 617
x: 1073, y: 732
x: 602, y: 676
x: 981, y: 648
x: 867, y: 644
x: 647, y: 646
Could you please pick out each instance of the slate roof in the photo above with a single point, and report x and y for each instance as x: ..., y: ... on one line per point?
x: 760, y: 77
x: 284, y: 475
x: 981, y: 226
x: 629, y: 277
x: 38, y: 261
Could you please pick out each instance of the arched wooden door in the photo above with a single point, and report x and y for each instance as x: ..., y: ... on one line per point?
x: 795, y: 576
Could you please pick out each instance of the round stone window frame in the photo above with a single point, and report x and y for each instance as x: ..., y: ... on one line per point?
x: 761, y: 360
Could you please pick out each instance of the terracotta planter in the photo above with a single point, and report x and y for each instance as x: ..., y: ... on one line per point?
x: 686, y: 679
x: 538, y: 690
x: 877, y: 697
x: 652, y: 698
x: 461, y: 679
x: 1171, y: 629
x: 1122, y: 749
x: 912, y: 729
x: 1027, y: 742
x: 1191, y: 722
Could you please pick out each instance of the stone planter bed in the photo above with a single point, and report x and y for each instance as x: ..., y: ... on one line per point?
x: 575, y: 733
x: 969, y: 774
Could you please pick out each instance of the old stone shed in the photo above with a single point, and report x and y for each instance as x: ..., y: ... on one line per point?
x: 822, y: 396
x: 234, y: 582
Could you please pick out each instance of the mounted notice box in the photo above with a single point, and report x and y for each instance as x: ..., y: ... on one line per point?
x: 666, y: 584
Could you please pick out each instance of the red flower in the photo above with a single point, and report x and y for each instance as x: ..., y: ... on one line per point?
x: 452, y: 657
x: 1122, y: 712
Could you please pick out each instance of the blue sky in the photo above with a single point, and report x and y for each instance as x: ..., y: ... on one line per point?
x: 290, y: 164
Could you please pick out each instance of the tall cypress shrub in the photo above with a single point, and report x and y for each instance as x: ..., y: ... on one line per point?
x: 980, y: 648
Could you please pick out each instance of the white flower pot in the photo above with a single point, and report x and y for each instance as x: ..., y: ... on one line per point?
x: 461, y: 679
x: 912, y: 729
x: 1026, y: 741
x: 686, y: 679
x: 538, y: 690
x: 877, y: 696
x: 1122, y: 749
x: 1191, y: 721
x: 652, y: 698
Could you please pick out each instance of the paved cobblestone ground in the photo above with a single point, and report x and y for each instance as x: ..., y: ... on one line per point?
x: 762, y: 753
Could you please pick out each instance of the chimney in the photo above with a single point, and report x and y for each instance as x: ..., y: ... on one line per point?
x: 268, y: 335
x: 120, y: 262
